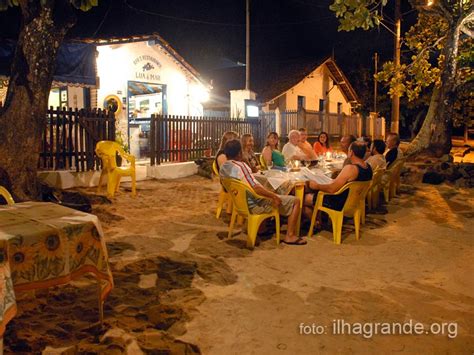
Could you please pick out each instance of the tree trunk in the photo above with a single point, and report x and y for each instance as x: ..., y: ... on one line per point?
x: 435, y: 133
x: 23, y: 117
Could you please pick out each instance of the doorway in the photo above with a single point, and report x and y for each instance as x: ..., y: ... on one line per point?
x: 144, y: 100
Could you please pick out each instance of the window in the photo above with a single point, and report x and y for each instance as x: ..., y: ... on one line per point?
x: 321, y: 105
x: 339, y: 107
x: 301, y: 102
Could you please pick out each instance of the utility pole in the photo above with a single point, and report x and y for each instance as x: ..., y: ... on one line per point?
x: 376, y: 59
x: 396, y: 61
x: 247, y: 47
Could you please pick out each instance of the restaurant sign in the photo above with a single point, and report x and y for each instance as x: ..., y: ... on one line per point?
x: 144, y: 67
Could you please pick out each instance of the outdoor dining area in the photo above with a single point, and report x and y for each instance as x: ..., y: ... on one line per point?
x: 294, y: 175
x: 297, y: 238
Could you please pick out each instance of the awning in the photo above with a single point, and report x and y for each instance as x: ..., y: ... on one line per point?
x: 75, y: 63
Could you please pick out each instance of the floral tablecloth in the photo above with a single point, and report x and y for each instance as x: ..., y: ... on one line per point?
x: 44, y: 244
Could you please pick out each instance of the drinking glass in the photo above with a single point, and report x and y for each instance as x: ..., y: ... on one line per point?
x: 270, y: 165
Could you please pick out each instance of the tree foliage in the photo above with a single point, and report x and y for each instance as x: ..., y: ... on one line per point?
x: 423, y: 43
x: 84, y: 5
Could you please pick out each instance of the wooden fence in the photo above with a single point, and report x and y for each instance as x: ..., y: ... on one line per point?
x: 317, y: 121
x: 184, y: 138
x: 70, y: 137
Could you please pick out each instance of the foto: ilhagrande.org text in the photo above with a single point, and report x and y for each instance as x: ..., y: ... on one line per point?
x: 369, y: 329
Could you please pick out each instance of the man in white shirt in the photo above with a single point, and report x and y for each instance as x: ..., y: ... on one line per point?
x: 290, y: 150
x: 377, y: 159
x: 288, y: 206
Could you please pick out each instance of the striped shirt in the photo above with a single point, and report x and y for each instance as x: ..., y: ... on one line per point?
x: 241, y: 171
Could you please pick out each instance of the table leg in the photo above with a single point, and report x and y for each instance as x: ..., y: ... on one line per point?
x: 101, y: 303
x: 299, y: 194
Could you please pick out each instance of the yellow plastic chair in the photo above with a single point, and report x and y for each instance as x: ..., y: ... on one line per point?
x: 394, y: 186
x: 263, y: 163
x: 239, y: 191
x: 107, y: 152
x: 224, y: 197
x: 391, y: 179
x: 6, y: 195
x: 374, y: 191
x: 354, y: 207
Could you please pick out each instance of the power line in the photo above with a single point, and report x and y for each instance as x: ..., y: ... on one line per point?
x: 201, y: 22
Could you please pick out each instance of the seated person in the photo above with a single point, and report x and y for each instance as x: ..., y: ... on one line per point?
x: 270, y: 152
x: 356, y: 170
x: 305, y: 146
x: 289, y: 206
x: 377, y: 160
x: 220, y: 156
x: 394, y: 152
x: 291, y: 150
x: 321, y: 147
x: 346, y: 141
x: 248, y: 156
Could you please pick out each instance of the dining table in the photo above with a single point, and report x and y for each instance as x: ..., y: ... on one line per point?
x: 45, y: 244
x: 284, y: 181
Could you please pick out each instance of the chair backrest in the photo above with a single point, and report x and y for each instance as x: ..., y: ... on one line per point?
x: 357, y: 192
x: 107, y: 152
x: 377, y: 177
x: 214, y: 168
x: 238, y: 192
x: 6, y: 195
x: 263, y: 163
x: 396, y: 167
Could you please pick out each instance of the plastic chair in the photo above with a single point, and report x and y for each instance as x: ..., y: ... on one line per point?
x: 391, y: 179
x: 353, y: 207
x: 224, y: 197
x: 394, y: 186
x: 374, y: 191
x: 263, y: 163
x: 107, y: 152
x: 7, y: 196
x: 239, y: 192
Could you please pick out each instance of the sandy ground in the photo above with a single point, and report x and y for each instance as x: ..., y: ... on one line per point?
x: 183, y: 287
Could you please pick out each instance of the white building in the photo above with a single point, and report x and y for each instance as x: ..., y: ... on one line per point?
x: 138, y: 77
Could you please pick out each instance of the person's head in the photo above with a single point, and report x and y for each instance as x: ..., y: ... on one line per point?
x: 294, y: 137
x: 233, y: 149
x: 303, y: 135
x: 247, y: 142
x: 368, y: 141
x: 227, y: 136
x: 378, y: 147
x: 346, y: 141
x: 357, y: 149
x: 272, y: 140
x: 393, y: 140
x: 323, y: 139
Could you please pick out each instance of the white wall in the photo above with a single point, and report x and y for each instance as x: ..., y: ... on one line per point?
x: 314, y: 88
x: 237, y: 102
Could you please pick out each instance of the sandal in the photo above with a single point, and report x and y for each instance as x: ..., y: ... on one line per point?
x: 299, y: 241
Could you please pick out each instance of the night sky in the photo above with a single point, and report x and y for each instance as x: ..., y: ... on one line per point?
x: 210, y: 35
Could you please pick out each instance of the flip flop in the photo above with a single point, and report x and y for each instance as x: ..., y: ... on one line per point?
x: 296, y: 242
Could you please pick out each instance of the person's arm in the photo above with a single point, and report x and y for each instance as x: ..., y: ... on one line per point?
x: 347, y: 174
x: 259, y: 189
x: 221, y: 159
x: 306, y: 152
x: 267, y: 154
